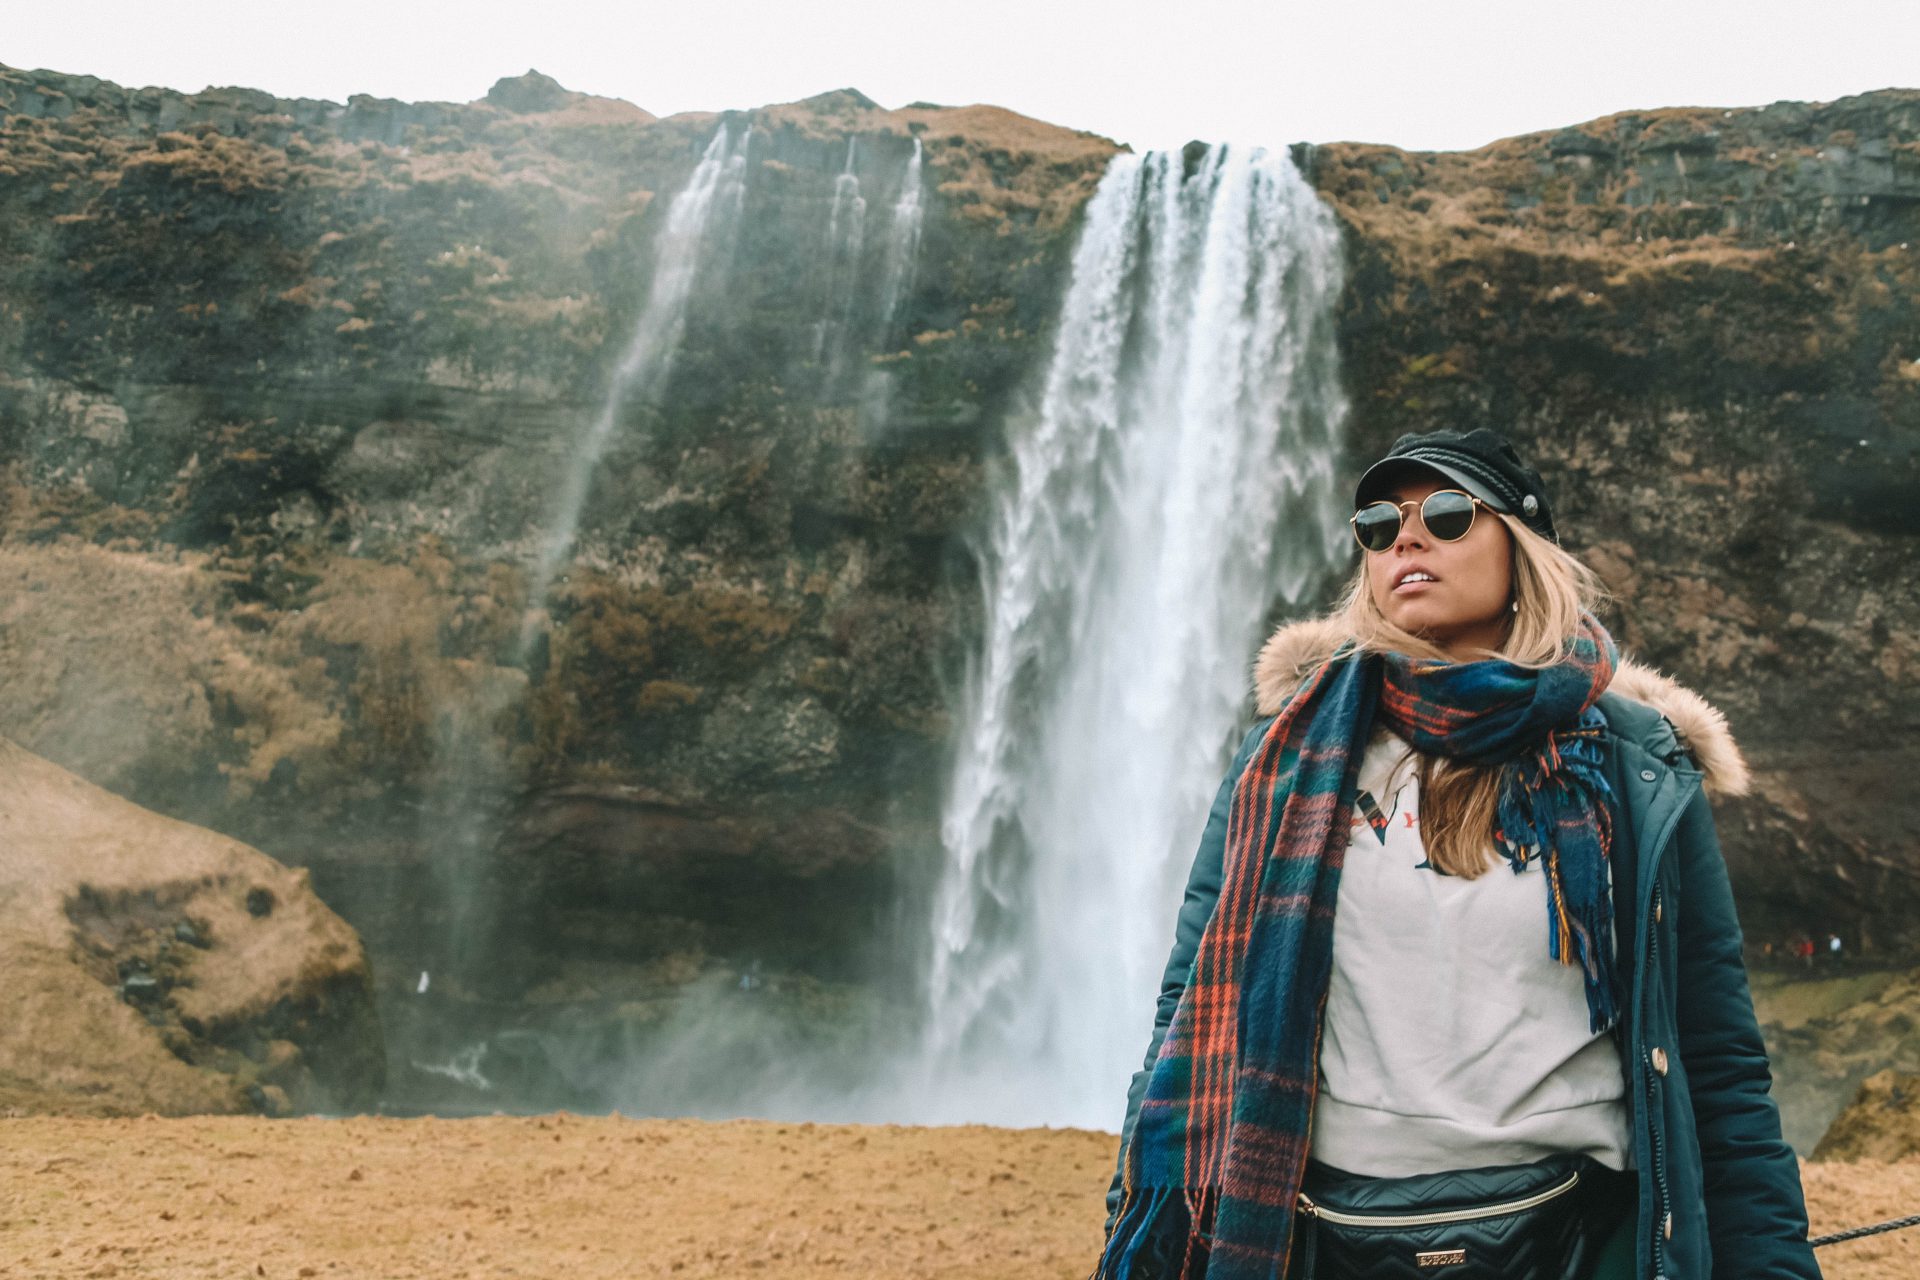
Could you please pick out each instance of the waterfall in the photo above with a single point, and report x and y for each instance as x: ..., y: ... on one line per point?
x: 903, y: 247
x: 470, y: 779
x: 846, y: 240
x: 700, y: 221
x: 1175, y: 483
x: 896, y: 282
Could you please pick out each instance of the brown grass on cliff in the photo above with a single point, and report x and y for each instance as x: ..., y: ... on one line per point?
x: 342, y: 679
x: 993, y: 164
x: 205, y: 159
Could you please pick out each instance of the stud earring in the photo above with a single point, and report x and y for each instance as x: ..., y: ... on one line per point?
x: 1513, y: 606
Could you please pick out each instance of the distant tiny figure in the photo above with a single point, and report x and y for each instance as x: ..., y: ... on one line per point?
x: 422, y: 988
x: 1833, y: 945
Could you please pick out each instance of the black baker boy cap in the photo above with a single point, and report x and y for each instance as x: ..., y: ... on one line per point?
x: 1481, y: 461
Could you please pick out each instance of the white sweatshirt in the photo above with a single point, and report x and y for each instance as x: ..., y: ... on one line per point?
x: 1452, y: 1039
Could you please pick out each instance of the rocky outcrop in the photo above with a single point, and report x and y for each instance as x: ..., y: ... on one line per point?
x: 154, y: 966
x: 1827, y: 1034
x: 1882, y: 1123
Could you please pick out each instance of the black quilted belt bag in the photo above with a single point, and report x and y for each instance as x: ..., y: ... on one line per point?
x: 1539, y: 1221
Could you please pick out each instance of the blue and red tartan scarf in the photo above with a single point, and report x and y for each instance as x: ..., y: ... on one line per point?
x: 1214, y: 1161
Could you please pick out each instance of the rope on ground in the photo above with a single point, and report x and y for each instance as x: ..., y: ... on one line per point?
x: 1893, y: 1224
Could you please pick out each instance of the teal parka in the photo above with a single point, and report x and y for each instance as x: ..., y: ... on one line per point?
x: 1720, y: 1194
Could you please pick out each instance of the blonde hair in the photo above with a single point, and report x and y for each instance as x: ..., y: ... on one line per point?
x: 1551, y: 589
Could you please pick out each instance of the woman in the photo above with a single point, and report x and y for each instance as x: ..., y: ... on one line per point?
x: 1583, y: 1007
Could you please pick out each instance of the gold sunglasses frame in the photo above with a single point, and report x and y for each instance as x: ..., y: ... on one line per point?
x: 1400, y: 509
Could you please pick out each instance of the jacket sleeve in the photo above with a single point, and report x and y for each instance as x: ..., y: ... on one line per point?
x: 1203, y: 890
x: 1756, y: 1209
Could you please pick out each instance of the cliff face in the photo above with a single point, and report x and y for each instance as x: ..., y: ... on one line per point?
x: 286, y: 389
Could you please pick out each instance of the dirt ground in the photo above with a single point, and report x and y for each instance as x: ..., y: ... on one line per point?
x: 580, y: 1198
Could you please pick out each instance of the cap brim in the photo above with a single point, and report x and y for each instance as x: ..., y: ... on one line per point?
x: 1383, y: 475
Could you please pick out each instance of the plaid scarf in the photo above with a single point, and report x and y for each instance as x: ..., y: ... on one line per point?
x: 1220, y: 1143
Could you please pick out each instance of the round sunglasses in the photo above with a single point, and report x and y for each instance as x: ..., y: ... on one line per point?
x: 1446, y: 513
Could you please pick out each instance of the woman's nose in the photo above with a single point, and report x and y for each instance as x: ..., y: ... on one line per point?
x: 1413, y: 534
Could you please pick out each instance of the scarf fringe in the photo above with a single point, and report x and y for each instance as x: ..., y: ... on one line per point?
x: 1161, y: 1233
x: 1535, y: 804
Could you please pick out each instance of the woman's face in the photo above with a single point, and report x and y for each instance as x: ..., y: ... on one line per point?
x: 1460, y: 592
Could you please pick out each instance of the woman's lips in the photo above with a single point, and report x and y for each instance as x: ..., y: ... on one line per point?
x: 1415, y: 587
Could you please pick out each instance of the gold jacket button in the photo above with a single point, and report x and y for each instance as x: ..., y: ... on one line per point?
x: 1660, y: 1060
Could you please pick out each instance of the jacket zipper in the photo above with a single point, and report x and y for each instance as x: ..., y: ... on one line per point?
x: 1431, y: 1219
x: 1653, y: 1100
x: 1651, y: 874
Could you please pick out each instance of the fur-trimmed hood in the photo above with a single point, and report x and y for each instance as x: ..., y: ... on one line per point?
x: 1286, y: 657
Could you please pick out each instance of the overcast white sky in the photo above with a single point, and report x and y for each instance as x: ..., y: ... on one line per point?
x: 1425, y: 74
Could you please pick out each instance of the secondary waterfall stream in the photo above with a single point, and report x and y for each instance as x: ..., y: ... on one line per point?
x: 1176, y: 482
x: 844, y: 247
x: 896, y: 282
x: 704, y: 213
x: 903, y: 247
x: 861, y: 292
x: 471, y: 781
